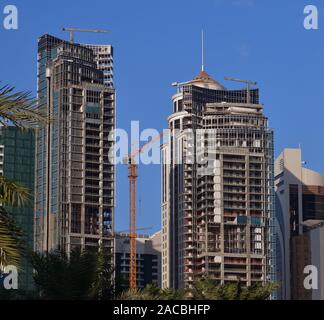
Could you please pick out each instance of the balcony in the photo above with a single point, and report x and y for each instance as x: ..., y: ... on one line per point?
x: 187, y: 231
x: 206, y: 196
x: 233, y: 175
x: 234, y: 278
x: 187, y: 223
x: 234, y: 168
x: 233, y: 198
x: 234, y: 183
x: 234, y: 206
x: 234, y: 190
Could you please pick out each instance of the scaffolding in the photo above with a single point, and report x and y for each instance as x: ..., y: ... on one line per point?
x: 221, y: 214
x: 75, y: 178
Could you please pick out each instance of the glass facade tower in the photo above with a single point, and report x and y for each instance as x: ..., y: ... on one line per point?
x: 75, y: 179
x: 17, y: 157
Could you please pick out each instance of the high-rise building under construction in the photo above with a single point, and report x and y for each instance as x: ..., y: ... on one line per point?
x: 74, y: 195
x: 217, y: 187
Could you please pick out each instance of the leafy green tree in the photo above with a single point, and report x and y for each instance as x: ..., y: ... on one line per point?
x: 152, y: 292
x: 121, y: 282
x: 58, y: 277
x: 204, y: 289
x: 85, y: 275
x: 258, y: 292
x: 171, y: 294
x: 133, y: 294
x: 208, y: 289
x: 103, y: 287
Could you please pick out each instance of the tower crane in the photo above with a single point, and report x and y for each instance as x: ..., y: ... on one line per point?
x: 132, y: 176
x: 73, y: 30
x: 137, y: 229
x: 248, y: 86
x: 119, y: 234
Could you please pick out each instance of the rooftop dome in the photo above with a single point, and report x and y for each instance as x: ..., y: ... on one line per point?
x: 204, y: 80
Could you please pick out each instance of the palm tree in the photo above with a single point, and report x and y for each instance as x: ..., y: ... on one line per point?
x: 208, y: 289
x: 84, y: 275
x: 59, y: 277
x: 171, y: 294
x: 153, y: 292
x: 134, y: 294
x: 21, y: 110
x: 103, y: 287
x: 11, y: 194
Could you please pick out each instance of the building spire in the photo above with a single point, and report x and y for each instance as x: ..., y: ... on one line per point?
x: 202, y: 51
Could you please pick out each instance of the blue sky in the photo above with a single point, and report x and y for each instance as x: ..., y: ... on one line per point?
x: 158, y: 42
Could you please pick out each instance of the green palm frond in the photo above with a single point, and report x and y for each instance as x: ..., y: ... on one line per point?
x: 103, y: 286
x: 9, y: 240
x: 57, y: 276
x: 153, y: 292
x: 23, y: 111
x: 132, y: 294
x: 20, y: 109
x: 12, y: 193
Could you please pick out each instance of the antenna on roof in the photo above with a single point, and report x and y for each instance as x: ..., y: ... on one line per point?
x: 202, y: 51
